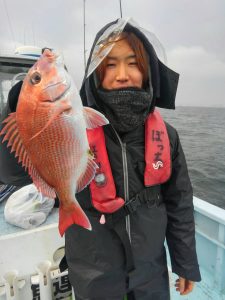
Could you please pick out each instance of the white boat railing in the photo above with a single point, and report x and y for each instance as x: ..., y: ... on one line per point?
x: 210, y: 236
x: 210, y: 244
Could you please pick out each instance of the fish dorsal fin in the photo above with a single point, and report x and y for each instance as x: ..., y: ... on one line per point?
x: 87, y: 176
x: 12, y: 135
x: 94, y: 118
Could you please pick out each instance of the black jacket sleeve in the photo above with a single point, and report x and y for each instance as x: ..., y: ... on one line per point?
x: 11, y: 172
x: 178, y: 197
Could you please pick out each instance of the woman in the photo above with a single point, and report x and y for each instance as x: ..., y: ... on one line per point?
x: 127, y: 84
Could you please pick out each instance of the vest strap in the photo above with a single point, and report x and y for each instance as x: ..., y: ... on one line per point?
x: 149, y: 196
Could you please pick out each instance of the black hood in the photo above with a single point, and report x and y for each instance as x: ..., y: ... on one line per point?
x: 164, y: 80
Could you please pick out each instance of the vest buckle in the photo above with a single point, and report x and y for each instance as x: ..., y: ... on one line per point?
x: 132, y: 205
x: 151, y: 203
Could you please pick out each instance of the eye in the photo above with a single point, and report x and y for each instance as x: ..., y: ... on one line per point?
x: 35, y: 78
x: 133, y: 63
x: 110, y: 65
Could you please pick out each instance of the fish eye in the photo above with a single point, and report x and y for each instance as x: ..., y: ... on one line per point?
x: 35, y: 78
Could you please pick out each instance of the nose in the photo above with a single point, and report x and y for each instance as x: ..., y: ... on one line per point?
x: 122, y: 74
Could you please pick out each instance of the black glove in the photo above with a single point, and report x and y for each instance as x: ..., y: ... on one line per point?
x: 14, y: 95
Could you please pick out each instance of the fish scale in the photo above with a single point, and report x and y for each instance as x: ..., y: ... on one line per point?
x: 58, y: 151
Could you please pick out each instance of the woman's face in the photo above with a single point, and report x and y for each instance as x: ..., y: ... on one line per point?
x: 121, y: 68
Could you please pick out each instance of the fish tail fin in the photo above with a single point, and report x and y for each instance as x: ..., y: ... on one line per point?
x: 72, y: 214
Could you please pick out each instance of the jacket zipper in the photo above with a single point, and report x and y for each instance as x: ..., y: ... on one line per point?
x: 125, y: 176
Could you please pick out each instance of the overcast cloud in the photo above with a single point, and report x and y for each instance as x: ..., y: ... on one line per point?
x: 192, y: 33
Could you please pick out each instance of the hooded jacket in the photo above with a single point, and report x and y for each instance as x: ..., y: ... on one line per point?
x: 96, y: 260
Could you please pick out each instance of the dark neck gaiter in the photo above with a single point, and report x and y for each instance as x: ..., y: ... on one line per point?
x: 125, y: 108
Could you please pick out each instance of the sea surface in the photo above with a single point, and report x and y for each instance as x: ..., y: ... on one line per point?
x: 202, y: 134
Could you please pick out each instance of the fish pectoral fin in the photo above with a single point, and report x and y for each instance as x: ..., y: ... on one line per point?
x: 73, y: 215
x: 87, y: 176
x: 62, y: 108
x: 94, y: 118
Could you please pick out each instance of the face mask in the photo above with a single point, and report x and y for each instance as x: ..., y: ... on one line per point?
x: 125, y: 108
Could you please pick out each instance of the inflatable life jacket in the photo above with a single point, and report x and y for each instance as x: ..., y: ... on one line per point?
x: 157, y: 159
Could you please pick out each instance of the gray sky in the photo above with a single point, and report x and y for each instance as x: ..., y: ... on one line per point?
x: 192, y: 33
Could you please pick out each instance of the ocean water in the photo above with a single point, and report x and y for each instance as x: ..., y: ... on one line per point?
x: 202, y: 134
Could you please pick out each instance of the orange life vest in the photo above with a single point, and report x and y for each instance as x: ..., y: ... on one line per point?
x: 157, y: 159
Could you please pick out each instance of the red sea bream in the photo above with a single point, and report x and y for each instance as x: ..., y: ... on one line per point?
x: 48, y: 134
